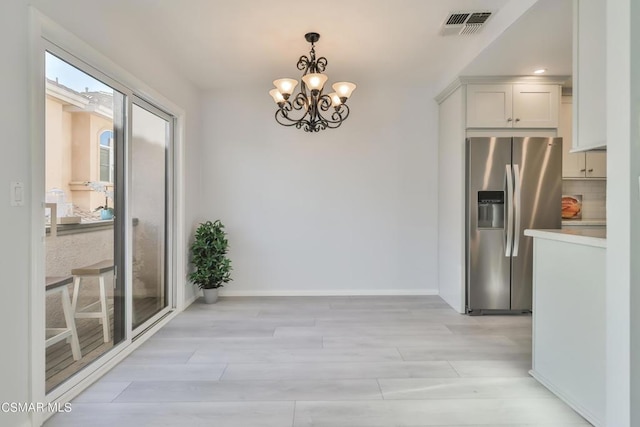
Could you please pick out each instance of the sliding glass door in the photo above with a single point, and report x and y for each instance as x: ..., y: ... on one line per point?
x: 84, y: 137
x: 151, y: 132
x: 108, y: 189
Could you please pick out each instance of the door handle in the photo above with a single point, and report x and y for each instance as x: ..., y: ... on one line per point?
x: 518, y: 214
x: 509, y: 201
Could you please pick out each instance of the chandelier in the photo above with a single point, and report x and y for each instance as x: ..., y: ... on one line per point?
x: 315, y: 111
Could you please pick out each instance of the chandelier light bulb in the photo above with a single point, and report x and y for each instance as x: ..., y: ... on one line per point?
x: 335, y: 100
x: 315, y: 81
x: 344, y: 89
x: 285, y: 86
x: 276, y: 95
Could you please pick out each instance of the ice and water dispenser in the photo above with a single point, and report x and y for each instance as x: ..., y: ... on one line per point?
x: 491, y: 209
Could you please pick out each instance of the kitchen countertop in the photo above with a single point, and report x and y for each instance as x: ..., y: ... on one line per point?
x: 585, y: 222
x: 588, y: 237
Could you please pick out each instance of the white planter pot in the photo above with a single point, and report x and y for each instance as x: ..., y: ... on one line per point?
x: 210, y: 295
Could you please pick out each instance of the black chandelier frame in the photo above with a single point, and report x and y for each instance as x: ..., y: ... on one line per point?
x: 312, y: 103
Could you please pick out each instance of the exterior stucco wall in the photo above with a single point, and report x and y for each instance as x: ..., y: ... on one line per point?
x: 73, y: 153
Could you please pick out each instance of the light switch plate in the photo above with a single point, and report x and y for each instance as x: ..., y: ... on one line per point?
x: 16, y: 195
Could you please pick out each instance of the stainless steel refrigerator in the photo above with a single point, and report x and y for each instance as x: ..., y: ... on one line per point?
x: 512, y: 184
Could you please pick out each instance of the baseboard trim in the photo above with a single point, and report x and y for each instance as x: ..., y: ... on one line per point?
x: 584, y: 412
x: 323, y: 293
x: 191, y: 300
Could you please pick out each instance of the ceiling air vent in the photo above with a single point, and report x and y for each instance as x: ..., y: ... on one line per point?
x: 458, y: 23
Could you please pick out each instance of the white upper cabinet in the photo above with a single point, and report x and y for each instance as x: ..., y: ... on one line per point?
x: 536, y: 106
x: 595, y: 164
x: 489, y: 106
x: 573, y: 164
x: 590, y: 164
x: 589, y: 74
x: 512, y: 105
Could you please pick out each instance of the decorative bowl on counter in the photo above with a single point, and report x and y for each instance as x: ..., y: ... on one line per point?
x: 572, y: 206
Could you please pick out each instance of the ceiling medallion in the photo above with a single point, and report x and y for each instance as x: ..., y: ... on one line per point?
x: 310, y: 102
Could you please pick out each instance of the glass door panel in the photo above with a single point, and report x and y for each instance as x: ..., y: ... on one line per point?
x: 150, y: 140
x: 84, y: 124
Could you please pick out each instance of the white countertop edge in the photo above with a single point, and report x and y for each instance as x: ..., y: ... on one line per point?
x: 580, y: 237
x: 584, y: 222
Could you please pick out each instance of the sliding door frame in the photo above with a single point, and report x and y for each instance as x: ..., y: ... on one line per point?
x: 122, y: 247
x: 169, y: 270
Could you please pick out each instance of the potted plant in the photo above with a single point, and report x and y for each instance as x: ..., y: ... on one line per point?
x: 208, y: 256
x: 106, y: 212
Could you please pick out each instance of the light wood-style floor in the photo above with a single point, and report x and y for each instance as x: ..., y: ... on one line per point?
x: 326, y: 361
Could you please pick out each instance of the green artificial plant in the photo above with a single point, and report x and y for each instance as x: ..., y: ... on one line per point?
x: 208, y: 256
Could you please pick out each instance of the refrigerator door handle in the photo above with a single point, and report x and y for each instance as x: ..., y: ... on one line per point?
x: 518, y: 214
x: 509, y: 227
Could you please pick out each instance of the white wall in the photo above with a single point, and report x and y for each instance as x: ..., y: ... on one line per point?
x: 344, y: 211
x: 634, y: 39
x: 451, y: 204
x: 623, y: 211
x: 15, y: 228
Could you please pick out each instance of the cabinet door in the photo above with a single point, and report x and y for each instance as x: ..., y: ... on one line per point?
x: 596, y: 164
x: 489, y: 106
x: 589, y: 74
x: 573, y: 164
x: 536, y: 106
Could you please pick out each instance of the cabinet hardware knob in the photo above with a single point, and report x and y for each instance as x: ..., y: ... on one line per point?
x: 583, y: 170
x: 517, y: 120
x: 590, y: 170
x: 509, y: 119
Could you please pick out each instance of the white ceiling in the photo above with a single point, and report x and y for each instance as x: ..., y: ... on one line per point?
x: 541, y: 38
x: 222, y: 44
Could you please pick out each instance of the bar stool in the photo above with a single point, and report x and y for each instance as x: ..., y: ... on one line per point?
x: 99, y: 270
x: 55, y: 285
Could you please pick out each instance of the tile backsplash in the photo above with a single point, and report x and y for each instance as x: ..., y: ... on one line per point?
x: 594, y: 196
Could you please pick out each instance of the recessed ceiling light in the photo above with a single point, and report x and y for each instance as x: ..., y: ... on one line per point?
x: 540, y: 71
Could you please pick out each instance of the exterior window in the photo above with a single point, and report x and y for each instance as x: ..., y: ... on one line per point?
x: 106, y: 156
